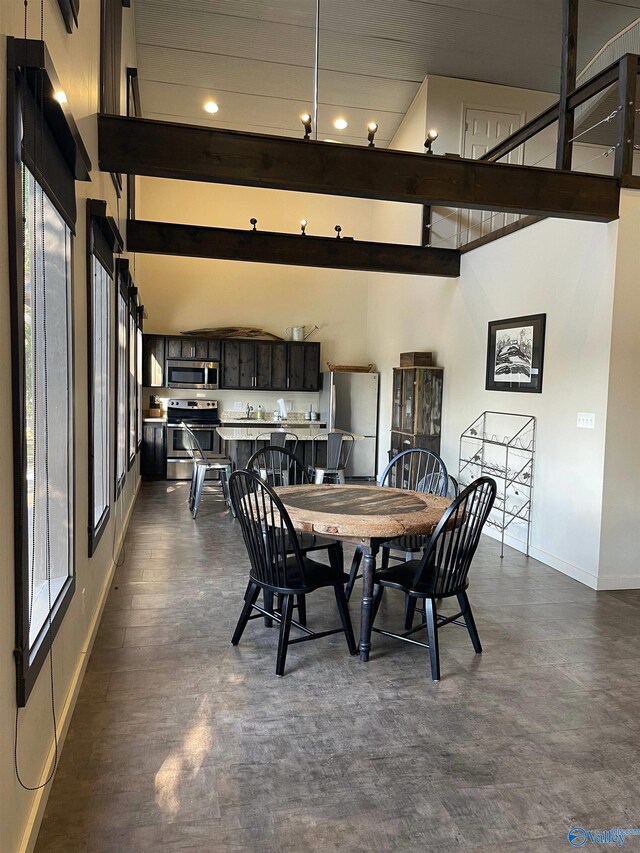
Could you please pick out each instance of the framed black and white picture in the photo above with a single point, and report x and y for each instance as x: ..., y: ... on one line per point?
x: 515, y: 354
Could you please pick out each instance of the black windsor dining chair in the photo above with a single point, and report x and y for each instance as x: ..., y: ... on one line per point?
x: 279, y: 566
x: 422, y: 471
x: 442, y: 571
x: 278, y: 466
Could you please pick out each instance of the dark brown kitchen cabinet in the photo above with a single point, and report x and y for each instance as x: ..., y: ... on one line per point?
x: 153, y: 357
x: 271, y: 366
x: 214, y: 350
x: 153, y: 460
x: 303, y: 367
x: 198, y: 348
x: 416, y: 409
x: 238, y: 364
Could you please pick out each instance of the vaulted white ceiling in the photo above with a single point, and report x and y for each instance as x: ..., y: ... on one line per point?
x: 255, y: 58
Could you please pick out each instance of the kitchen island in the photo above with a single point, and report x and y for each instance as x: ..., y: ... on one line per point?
x: 241, y: 438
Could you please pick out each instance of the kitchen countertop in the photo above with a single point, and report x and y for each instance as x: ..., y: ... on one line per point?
x: 250, y: 433
x: 257, y: 422
x: 154, y: 420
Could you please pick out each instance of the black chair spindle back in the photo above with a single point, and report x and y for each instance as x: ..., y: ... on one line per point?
x: 447, y: 559
x: 267, y: 531
x: 417, y: 469
x: 278, y: 466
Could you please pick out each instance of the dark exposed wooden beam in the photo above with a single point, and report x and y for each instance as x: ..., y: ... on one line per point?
x: 567, y: 82
x: 188, y: 152
x: 195, y: 241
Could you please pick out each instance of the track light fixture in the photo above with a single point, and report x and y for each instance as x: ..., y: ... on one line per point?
x: 253, y: 222
x: 372, y: 129
x: 306, y: 123
x: 431, y: 138
x: 338, y: 229
x: 303, y: 227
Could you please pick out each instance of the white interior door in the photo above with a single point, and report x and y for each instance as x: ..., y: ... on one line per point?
x: 482, y: 130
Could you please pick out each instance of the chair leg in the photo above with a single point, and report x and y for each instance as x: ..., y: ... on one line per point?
x: 465, y: 606
x: 384, y: 560
x: 432, y: 632
x: 250, y: 597
x: 192, y: 487
x: 340, y: 476
x: 410, y: 603
x: 345, y: 618
x: 301, y: 602
x: 285, y: 628
x: 353, y: 573
x: 378, y: 592
x: 336, y: 557
x: 268, y: 605
x: 318, y: 477
x: 225, y: 473
x: 201, y: 473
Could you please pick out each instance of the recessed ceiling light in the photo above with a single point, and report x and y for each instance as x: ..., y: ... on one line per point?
x: 60, y: 97
x: 211, y: 107
x: 341, y: 124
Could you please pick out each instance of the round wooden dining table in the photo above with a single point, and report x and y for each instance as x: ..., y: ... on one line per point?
x: 365, y: 516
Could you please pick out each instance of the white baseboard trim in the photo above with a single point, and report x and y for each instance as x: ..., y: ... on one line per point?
x: 30, y: 834
x: 619, y: 582
x: 557, y: 563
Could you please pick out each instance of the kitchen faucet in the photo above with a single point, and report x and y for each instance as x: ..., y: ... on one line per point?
x: 249, y: 410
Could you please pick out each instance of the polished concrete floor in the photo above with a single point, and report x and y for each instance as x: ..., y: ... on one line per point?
x: 180, y: 742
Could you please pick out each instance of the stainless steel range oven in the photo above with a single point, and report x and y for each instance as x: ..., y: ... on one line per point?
x: 201, y: 416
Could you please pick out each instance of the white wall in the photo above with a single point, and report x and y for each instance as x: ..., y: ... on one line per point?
x: 620, y: 543
x: 564, y: 269
x: 76, y: 59
x: 193, y: 293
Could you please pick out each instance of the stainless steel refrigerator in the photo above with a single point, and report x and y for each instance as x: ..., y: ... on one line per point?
x: 349, y: 401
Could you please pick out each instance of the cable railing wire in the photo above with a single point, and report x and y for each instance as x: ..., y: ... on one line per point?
x: 606, y: 120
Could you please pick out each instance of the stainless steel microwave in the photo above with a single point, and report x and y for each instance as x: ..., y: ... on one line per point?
x: 184, y: 373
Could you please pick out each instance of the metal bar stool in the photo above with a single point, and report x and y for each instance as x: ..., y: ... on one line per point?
x: 339, y: 447
x: 278, y: 438
x: 201, y: 465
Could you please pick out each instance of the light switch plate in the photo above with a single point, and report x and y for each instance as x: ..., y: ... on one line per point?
x: 586, y: 420
x: 238, y: 407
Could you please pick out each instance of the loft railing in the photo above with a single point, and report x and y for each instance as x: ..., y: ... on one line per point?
x: 466, y: 229
x: 624, y: 72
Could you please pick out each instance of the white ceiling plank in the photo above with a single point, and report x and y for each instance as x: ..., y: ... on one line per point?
x: 256, y: 56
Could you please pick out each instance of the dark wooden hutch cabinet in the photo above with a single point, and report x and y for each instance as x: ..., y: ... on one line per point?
x: 416, y: 417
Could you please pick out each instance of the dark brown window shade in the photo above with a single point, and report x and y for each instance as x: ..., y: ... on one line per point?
x: 105, y: 239
x: 41, y: 152
x: 110, y: 56
x: 70, y: 10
